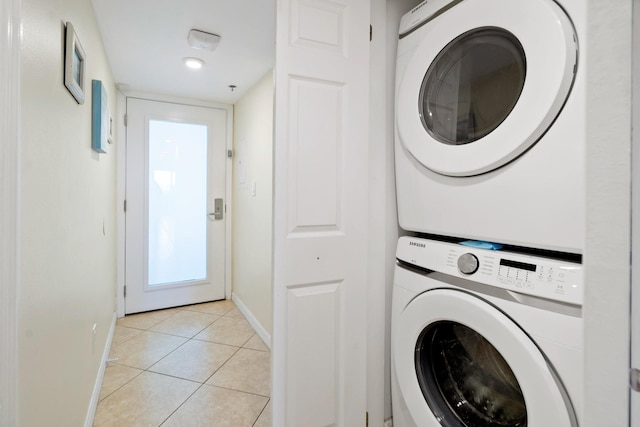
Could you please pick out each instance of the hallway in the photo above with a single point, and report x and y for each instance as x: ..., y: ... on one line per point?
x: 198, y: 365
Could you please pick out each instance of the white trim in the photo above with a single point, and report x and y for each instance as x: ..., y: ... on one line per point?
x: 95, y: 396
x: 174, y: 99
x: 121, y: 180
x: 260, y: 330
x: 228, y: 270
x: 9, y: 207
x: 121, y: 139
x: 634, y: 397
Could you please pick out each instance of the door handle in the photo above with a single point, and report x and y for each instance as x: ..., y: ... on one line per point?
x: 218, y: 206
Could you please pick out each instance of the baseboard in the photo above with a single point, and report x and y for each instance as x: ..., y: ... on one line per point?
x: 260, y: 330
x: 95, y: 397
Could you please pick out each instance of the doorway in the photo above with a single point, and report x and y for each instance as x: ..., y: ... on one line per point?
x: 175, y: 219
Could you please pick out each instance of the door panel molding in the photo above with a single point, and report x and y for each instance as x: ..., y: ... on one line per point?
x: 316, y: 153
x: 9, y: 206
x: 317, y: 307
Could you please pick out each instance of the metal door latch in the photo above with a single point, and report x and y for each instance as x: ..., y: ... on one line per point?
x: 634, y: 379
x: 217, y: 209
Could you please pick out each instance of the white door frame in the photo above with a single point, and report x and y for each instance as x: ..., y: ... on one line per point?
x: 9, y: 206
x: 121, y: 184
x: 634, y: 396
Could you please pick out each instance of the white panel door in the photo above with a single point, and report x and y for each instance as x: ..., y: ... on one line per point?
x: 175, y: 212
x: 320, y: 213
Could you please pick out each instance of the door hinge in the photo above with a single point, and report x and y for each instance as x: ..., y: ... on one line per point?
x: 634, y: 379
x: 229, y: 154
x: 125, y: 205
x: 126, y: 120
x: 125, y: 291
x: 367, y: 419
x: 370, y: 32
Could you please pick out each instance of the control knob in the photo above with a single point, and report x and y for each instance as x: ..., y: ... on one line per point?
x: 468, y: 263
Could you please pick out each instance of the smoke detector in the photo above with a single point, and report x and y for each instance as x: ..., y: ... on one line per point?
x: 202, y: 40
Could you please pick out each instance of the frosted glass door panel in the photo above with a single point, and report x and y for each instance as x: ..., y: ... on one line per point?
x: 177, y: 210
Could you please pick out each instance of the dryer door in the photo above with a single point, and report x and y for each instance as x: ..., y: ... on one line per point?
x: 484, y: 84
x: 461, y: 362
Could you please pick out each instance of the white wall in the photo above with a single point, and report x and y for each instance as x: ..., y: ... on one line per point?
x: 383, y: 222
x: 606, y: 255
x: 252, y: 214
x: 68, y: 235
x: 380, y: 198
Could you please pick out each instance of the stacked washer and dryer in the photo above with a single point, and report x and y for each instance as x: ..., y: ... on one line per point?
x: 490, y: 131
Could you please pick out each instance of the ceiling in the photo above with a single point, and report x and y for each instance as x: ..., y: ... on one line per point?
x: 146, y: 40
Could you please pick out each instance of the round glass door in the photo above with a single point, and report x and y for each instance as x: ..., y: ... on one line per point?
x: 465, y: 380
x: 483, y: 82
x: 459, y: 361
x: 472, y: 85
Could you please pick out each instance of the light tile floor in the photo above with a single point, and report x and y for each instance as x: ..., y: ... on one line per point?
x: 199, y: 365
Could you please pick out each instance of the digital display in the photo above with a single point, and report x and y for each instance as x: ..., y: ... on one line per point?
x: 516, y: 264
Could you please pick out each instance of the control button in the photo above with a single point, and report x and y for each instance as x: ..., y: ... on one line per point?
x: 468, y: 263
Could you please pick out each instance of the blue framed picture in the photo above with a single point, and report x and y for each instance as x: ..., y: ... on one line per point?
x: 99, y: 117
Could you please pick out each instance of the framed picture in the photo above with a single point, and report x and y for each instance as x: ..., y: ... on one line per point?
x: 99, y: 117
x: 74, y: 64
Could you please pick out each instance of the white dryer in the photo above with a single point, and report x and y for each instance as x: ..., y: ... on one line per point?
x: 485, y: 338
x: 490, y: 121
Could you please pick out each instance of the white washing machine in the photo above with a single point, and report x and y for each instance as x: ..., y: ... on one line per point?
x: 490, y: 121
x: 485, y: 338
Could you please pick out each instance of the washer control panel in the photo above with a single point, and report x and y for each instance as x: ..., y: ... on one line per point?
x: 543, y: 277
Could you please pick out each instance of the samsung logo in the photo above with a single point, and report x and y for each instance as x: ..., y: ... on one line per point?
x: 418, y: 7
x: 418, y: 244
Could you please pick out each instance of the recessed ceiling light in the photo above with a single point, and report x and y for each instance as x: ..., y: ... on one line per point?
x: 193, y: 63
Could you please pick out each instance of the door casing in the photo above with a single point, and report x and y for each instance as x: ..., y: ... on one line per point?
x: 121, y: 184
x: 10, y: 107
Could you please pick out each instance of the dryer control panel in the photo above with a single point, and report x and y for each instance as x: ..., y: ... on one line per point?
x: 542, y: 277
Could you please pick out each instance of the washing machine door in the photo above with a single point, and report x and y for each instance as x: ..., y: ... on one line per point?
x: 461, y: 362
x: 484, y: 84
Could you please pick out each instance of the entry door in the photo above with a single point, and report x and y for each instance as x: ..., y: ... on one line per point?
x: 175, y: 205
x: 321, y: 213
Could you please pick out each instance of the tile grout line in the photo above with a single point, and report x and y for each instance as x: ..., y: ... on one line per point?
x: 261, y: 412
x: 220, y: 367
x: 180, y: 405
x: 131, y: 379
x: 238, y: 391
